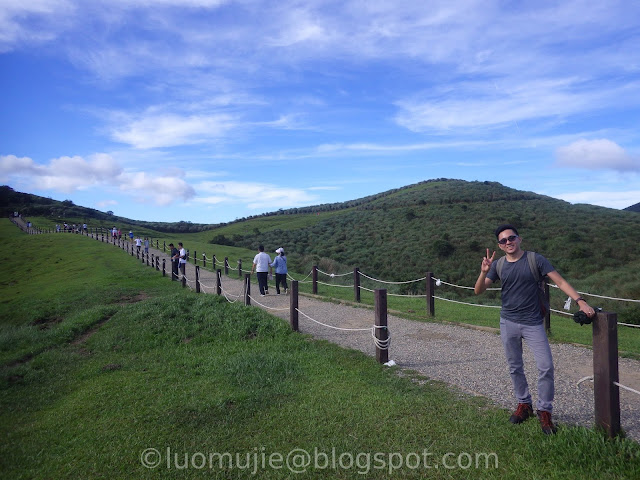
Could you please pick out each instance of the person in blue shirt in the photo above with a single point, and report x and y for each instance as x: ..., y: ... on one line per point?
x: 280, y: 264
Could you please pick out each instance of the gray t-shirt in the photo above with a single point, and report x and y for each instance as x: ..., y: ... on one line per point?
x: 520, y: 303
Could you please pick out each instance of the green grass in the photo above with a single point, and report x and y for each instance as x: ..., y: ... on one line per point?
x: 166, y: 368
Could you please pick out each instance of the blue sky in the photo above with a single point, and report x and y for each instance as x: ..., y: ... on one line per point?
x: 212, y: 110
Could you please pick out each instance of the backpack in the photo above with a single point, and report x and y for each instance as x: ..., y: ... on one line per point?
x: 531, y: 260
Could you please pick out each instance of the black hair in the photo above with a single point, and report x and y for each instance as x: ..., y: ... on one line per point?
x: 506, y: 226
x: 261, y: 248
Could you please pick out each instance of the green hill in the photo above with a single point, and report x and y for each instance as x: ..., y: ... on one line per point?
x: 442, y: 225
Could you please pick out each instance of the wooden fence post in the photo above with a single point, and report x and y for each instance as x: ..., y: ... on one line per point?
x: 381, y: 332
x: 157, y: 263
x: 431, y: 288
x: 356, y: 284
x: 226, y: 265
x: 605, y: 372
x: 204, y: 260
x: 213, y: 258
x: 247, y: 288
x: 314, y: 278
x: 197, y: 278
x: 293, y: 306
x: 240, y: 267
x: 218, y: 281
x: 184, y: 279
x: 164, y: 270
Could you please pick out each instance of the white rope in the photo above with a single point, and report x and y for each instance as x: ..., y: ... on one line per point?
x: 333, y: 274
x: 268, y: 308
x: 440, y: 281
x: 331, y: 285
x: 364, y: 288
x: 301, y: 281
x: 629, y: 325
x: 601, y: 296
x: 560, y: 312
x: 404, y: 295
x: 626, y: 388
x: 393, y: 283
x: 584, y: 379
x: 465, y: 303
x: 381, y: 344
x: 590, y: 377
x: 331, y: 326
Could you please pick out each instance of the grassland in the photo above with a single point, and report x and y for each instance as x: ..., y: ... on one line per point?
x: 103, y: 360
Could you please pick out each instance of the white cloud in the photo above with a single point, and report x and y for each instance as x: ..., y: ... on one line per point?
x: 161, y: 190
x: 63, y: 174
x: 106, y: 203
x: 609, y: 199
x: 169, y: 130
x: 69, y: 174
x: 596, y: 154
x: 253, y: 195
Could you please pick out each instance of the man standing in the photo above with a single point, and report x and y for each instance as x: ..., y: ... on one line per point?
x: 521, y: 318
x: 261, y: 265
x: 183, y: 258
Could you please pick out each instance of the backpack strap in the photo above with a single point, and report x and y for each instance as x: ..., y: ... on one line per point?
x: 499, y: 266
x: 531, y: 258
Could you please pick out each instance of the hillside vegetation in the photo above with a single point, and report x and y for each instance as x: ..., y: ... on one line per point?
x: 443, y: 226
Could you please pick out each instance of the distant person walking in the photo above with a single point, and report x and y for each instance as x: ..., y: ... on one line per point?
x: 183, y: 258
x: 280, y: 264
x: 131, y: 235
x: 138, y: 244
x: 522, y: 318
x: 146, y: 245
x: 261, y: 266
x: 175, y: 256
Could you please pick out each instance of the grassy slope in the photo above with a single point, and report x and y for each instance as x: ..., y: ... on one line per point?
x: 171, y: 369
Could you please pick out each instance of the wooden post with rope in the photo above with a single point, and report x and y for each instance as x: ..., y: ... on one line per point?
x: 356, y: 284
x: 314, y: 279
x: 381, y: 333
x: 247, y: 288
x: 430, y: 291
x: 293, y: 306
x: 605, y: 372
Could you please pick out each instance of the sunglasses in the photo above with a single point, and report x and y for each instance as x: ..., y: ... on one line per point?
x: 511, y: 238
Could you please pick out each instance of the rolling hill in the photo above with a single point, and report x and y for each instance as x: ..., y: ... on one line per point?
x: 440, y: 225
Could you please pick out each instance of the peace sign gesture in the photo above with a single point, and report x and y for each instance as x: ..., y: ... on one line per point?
x: 487, y: 261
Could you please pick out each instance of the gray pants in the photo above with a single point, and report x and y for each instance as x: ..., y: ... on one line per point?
x: 512, y: 335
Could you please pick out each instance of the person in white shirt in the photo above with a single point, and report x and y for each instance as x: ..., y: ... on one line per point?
x: 261, y: 266
x: 183, y: 258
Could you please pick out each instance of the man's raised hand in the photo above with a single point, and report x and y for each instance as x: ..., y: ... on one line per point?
x: 487, y: 261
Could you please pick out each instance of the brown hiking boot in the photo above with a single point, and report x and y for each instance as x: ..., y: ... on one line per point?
x: 548, y: 428
x: 523, y: 411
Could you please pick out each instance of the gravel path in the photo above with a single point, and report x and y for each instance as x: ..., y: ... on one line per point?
x: 467, y: 358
